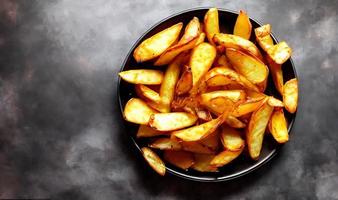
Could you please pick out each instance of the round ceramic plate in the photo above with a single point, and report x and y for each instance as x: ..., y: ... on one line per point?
x: 242, y: 165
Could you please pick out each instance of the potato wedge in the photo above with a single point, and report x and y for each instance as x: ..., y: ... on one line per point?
x: 280, y: 52
x: 166, y: 144
x: 223, y: 61
x: 157, y: 44
x: 212, y: 141
x: 231, y: 139
x: 147, y: 131
x: 171, y: 121
x: 233, y: 95
x: 290, y: 95
x: 278, y: 126
x: 153, y: 160
x: 203, y: 114
x: 234, y: 122
x: 157, y: 106
x: 184, y: 84
x: 254, y: 96
x: 181, y: 159
x: 202, y: 163
x: 236, y: 42
x: 188, y: 41
x: 196, y: 147
x: 243, y: 25
x: 272, y: 101
x: 248, y: 106
x: 137, y: 111
x: 211, y: 23
x: 201, y: 60
x: 200, y: 39
x: 253, y: 69
x: 218, y: 80
x: 263, y: 37
x: 232, y: 76
x: 145, y: 92
x: 225, y: 157
x: 217, y: 105
x: 142, y: 76
x: 256, y: 129
x: 277, y: 74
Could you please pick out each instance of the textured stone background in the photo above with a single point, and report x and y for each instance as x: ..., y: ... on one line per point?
x: 59, y: 119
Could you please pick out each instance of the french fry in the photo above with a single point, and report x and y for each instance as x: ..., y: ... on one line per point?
x: 255, y: 131
x: 290, y: 95
x: 166, y: 144
x: 211, y: 24
x: 171, y: 121
x: 181, y: 159
x: 147, y: 93
x: 157, y: 44
x: 231, y: 139
x: 277, y: 74
x: 188, y: 41
x: 184, y: 84
x: 225, y: 157
x: 278, y: 126
x: 137, y: 111
x: 243, y: 25
x: 142, y: 76
x: 196, y: 147
x: 280, y: 52
x: 233, y: 95
x: 250, y: 67
x: 248, y: 107
x: 147, y: 131
x: 202, y: 163
x: 263, y: 37
x: 237, y: 42
x: 153, y: 160
x: 272, y: 101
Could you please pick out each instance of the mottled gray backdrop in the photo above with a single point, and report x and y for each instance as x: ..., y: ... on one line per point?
x: 60, y: 132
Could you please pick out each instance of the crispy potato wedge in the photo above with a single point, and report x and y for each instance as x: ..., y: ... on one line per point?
x: 203, y: 114
x: 263, y: 37
x: 232, y: 76
x: 212, y: 141
x: 181, y: 159
x: 231, y: 139
x: 211, y: 23
x: 272, y: 101
x: 217, y: 105
x: 137, y: 111
x: 250, y: 67
x: 280, y: 52
x: 243, y: 25
x: 196, y: 147
x: 254, y: 96
x: 188, y: 41
x: 233, y: 95
x: 147, y: 131
x: 290, y: 95
x: 157, y: 44
x: 142, y: 76
x: 200, y: 39
x: 147, y: 93
x: 201, y: 60
x: 234, y: 122
x: 248, y: 106
x: 218, y: 80
x: 202, y: 163
x: 184, y: 84
x: 256, y: 129
x: 157, y: 106
x: 153, y: 160
x: 277, y: 74
x: 171, y: 121
x: 237, y: 42
x: 166, y: 144
x: 278, y: 126
x: 223, y: 61
x: 225, y: 157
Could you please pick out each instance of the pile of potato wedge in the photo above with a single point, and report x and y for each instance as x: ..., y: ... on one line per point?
x: 204, y: 105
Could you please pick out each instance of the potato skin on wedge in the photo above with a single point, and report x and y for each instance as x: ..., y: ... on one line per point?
x: 290, y: 95
x: 153, y: 160
x: 181, y: 159
x: 278, y: 126
x: 243, y: 25
x: 211, y: 24
x: 171, y: 121
x: 137, y: 111
x: 142, y: 76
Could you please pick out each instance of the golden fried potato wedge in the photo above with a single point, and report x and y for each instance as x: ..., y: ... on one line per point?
x: 272, y: 101
x: 256, y: 129
x: 225, y: 157
x: 196, y: 147
x: 237, y: 42
x: 153, y: 160
x: 181, y: 159
x: 234, y: 122
x: 250, y: 67
x: 254, y: 96
x: 147, y: 93
x: 290, y: 95
x: 171, y: 121
x: 280, y: 52
x: 157, y: 106
x: 223, y: 61
x: 277, y: 74
x: 217, y: 105
x: 243, y: 25
x: 218, y: 80
x: 263, y: 37
x: 147, y: 131
x: 233, y: 95
x: 200, y: 39
x: 232, y: 76
x: 157, y: 44
x: 203, y: 114
x: 142, y: 76
x: 184, y: 84
x: 248, y: 106
x: 202, y: 163
x: 231, y: 139
x: 188, y: 41
x: 166, y: 144
x: 137, y: 111
x: 212, y: 141
x: 211, y: 23
x: 201, y: 60
x: 278, y: 126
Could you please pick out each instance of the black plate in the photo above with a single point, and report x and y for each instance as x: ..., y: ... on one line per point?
x: 244, y: 164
